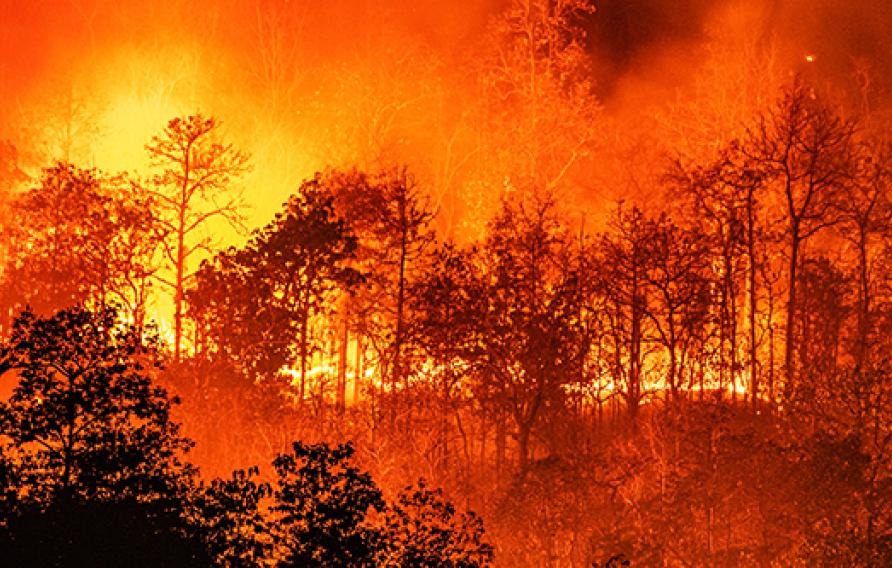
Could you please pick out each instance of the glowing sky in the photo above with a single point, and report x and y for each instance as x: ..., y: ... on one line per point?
x: 93, y: 80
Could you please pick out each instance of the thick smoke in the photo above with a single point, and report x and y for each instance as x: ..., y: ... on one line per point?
x: 43, y: 41
x: 660, y: 43
x: 132, y: 63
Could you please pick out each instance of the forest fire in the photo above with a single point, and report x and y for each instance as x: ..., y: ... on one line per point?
x: 510, y: 283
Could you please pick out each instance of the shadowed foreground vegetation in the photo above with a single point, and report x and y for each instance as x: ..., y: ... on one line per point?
x: 93, y: 474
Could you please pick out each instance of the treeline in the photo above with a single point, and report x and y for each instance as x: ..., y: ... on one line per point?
x: 682, y: 351
x: 701, y: 381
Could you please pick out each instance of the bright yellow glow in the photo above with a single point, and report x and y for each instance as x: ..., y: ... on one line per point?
x: 162, y: 319
x: 130, y: 123
x: 328, y: 371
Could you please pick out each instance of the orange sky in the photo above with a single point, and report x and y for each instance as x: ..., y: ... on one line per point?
x: 105, y: 75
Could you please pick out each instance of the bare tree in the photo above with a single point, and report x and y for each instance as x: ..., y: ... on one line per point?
x: 392, y: 218
x: 680, y: 280
x: 540, y: 120
x: 725, y: 196
x: 625, y: 261
x: 865, y: 211
x: 805, y: 151
x: 191, y: 188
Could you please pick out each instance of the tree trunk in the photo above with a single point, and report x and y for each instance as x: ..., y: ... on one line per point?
x: 789, y: 346
x: 482, y: 443
x: 634, y: 397
x: 673, y: 358
x: 342, y: 366
x: 523, y: 448
x: 732, y: 319
x: 751, y: 261
x: 398, y: 340
x: 501, y: 439
x: 304, y: 344
x: 179, y: 282
x: 724, y: 317
x: 444, y: 415
x: 358, y: 371
x: 771, y: 349
x: 863, y: 300
x: 178, y: 287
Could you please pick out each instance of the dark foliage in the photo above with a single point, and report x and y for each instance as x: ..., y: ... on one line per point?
x: 250, y: 303
x: 229, y: 518
x: 423, y: 529
x: 91, y: 474
x: 85, y: 419
x: 127, y: 533
x: 322, y: 508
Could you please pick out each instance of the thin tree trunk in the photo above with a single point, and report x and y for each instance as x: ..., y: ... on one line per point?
x: 342, y: 366
x: 358, y: 371
x: 635, y: 354
x: 482, y: 443
x: 523, y: 448
x: 178, y: 288
x: 673, y: 358
x: 398, y: 339
x: 732, y: 321
x: 444, y: 418
x: 864, y: 301
x: 304, y: 341
x: 789, y: 346
x: 179, y: 282
x: 751, y: 253
x: 771, y: 348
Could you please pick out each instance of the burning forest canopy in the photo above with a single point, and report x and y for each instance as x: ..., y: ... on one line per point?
x: 615, y: 276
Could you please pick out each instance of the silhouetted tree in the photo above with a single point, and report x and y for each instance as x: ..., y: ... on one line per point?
x: 423, y: 529
x: 329, y: 513
x: 305, y: 253
x: 91, y: 459
x: 237, y: 322
x: 805, y: 151
x: 679, y: 277
x: 321, y: 508
x: 191, y: 188
x: 79, y: 237
x: 529, y: 339
x: 100, y: 533
x: 444, y: 302
x: 258, y: 305
x: 229, y: 518
x: 84, y: 419
x: 391, y: 217
x: 726, y: 196
x: 625, y: 262
x: 865, y: 212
